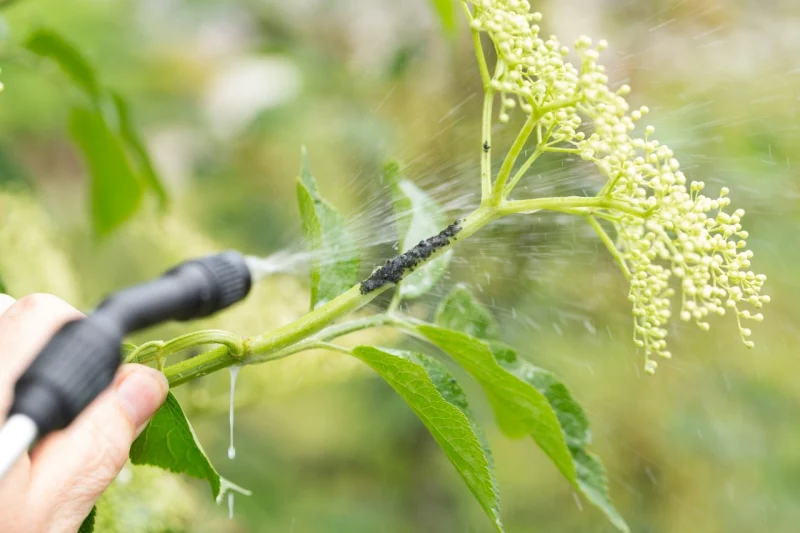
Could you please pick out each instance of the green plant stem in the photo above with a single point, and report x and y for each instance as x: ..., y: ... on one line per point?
x: 308, y: 324
x: 561, y: 150
x: 610, y: 245
x: 154, y: 350
x: 511, y: 158
x: 569, y: 202
x: 395, y: 302
x: 333, y: 347
x: 486, y: 147
x: 311, y: 328
x: 479, y: 55
x: 521, y: 172
x: 213, y: 360
x: 329, y: 333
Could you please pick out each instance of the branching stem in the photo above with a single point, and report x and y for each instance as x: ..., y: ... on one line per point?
x: 312, y: 328
x: 521, y: 172
x: 511, y: 158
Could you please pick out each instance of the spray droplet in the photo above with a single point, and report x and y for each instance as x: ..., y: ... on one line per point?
x: 234, y: 370
x: 282, y: 262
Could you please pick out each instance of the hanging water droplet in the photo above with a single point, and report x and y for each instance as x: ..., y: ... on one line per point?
x: 234, y: 371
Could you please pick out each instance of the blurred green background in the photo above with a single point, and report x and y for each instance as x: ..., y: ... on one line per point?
x: 226, y: 92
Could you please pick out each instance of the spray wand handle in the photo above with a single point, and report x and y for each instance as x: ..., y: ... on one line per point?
x: 80, y: 360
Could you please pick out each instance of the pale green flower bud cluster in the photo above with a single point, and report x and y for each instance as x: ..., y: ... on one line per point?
x: 531, y: 71
x: 668, y: 229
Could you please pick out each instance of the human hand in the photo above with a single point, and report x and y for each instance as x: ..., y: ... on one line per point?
x: 54, y: 488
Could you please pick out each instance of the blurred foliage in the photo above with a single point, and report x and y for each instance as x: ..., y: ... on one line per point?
x: 336, y: 256
x: 116, y: 188
x: 447, y: 11
x: 226, y: 92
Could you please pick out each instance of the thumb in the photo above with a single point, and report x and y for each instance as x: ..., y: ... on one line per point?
x: 71, y: 469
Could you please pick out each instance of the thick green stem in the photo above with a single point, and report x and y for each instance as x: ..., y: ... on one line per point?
x: 154, y: 350
x: 306, y: 326
x: 205, y: 363
x: 309, y: 330
x: 303, y: 333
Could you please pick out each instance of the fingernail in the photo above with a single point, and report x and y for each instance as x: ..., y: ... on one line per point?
x: 140, y: 394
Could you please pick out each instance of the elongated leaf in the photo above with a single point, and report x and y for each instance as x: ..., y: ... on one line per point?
x: 446, y: 11
x: 47, y: 43
x: 460, y: 310
x: 590, y: 474
x: 115, y: 190
x: 334, y: 267
x: 3, y: 289
x: 135, y: 145
x: 418, y: 218
x: 169, y: 442
x: 88, y: 523
x: 519, y: 399
x: 106, y: 136
x: 440, y: 403
x: 451, y: 391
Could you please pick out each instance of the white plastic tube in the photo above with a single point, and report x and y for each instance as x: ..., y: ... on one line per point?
x: 16, y: 436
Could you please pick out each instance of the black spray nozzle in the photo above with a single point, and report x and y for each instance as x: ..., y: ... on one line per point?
x: 80, y: 360
x: 193, y: 289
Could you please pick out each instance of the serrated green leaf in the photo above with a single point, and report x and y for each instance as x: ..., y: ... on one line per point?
x: 334, y: 267
x: 520, y: 400
x: 116, y: 192
x: 169, y: 442
x: 48, y: 43
x: 87, y: 526
x: 451, y: 391
x: 590, y: 474
x: 418, y: 218
x: 135, y: 145
x: 446, y: 12
x: 441, y: 405
x: 461, y: 311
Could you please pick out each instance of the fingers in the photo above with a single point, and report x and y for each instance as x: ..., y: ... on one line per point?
x: 5, y: 302
x: 25, y: 327
x: 71, y: 468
